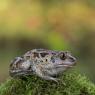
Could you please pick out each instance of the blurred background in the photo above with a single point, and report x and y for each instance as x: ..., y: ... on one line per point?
x: 51, y: 24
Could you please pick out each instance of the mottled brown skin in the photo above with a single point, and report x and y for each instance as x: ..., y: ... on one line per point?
x: 44, y: 63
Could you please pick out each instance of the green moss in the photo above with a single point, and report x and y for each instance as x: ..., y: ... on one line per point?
x: 71, y: 83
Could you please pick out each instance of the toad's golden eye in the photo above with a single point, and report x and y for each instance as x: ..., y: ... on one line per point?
x: 62, y: 56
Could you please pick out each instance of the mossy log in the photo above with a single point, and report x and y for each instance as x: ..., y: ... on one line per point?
x: 71, y: 83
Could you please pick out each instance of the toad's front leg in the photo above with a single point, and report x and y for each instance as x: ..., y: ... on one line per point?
x: 44, y: 75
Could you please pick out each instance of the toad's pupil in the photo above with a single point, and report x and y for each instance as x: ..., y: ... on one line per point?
x: 62, y: 56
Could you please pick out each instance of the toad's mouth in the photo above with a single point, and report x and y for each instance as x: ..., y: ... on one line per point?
x: 65, y: 65
x: 69, y: 63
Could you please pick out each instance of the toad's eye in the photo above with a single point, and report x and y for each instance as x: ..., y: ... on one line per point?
x: 62, y: 56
